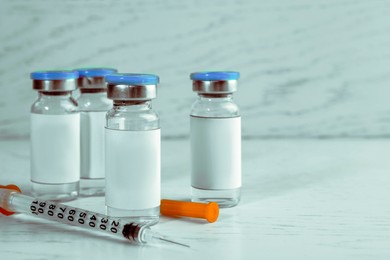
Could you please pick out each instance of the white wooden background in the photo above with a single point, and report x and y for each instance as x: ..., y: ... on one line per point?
x: 310, y: 68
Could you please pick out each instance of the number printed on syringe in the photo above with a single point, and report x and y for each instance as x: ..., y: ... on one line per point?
x: 73, y: 216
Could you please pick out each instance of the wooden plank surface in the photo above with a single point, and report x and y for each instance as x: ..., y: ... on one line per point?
x: 309, y: 68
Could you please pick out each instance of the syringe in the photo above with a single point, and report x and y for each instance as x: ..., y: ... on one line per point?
x: 12, y: 200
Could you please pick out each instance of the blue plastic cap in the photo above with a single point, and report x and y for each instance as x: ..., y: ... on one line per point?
x: 132, y: 79
x: 54, y: 75
x: 95, y: 72
x: 215, y: 75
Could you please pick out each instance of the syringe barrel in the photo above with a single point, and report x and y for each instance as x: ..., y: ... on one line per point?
x: 11, y: 200
x: 4, y: 198
x: 17, y: 202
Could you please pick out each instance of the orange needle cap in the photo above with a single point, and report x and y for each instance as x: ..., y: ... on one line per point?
x: 175, y: 208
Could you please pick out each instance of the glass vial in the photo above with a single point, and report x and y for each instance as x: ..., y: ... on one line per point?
x: 93, y: 105
x: 55, y: 136
x: 132, y: 143
x: 215, y: 134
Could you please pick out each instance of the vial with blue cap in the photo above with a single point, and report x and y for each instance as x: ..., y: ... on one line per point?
x: 215, y: 134
x: 132, y: 143
x: 55, y: 136
x: 93, y: 105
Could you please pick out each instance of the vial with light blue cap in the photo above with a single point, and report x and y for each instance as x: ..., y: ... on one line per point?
x: 93, y: 105
x: 215, y: 134
x: 55, y: 136
x: 132, y: 143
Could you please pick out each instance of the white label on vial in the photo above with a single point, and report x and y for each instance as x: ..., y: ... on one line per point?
x: 92, y: 144
x: 55, y: 148
x: 132, y: 169
x: 216, y: 153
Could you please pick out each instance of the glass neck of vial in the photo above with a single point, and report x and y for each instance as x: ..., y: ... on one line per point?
x: 92, y: 90
x: 55, y: 94
x: 216, y: 96
x: 133, y: 105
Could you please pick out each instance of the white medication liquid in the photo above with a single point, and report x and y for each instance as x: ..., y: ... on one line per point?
x: 92, y: 145
x: 216, y: 153
x: 93, y: 105
x: 215, y: 139
x: 132, y: 144
x: 55, y: 136
x: 55, y: 148
x: 133, y: 169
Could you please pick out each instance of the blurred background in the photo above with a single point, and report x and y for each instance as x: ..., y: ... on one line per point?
x: 309, y: 69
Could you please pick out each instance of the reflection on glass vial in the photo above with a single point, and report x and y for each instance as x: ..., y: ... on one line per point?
x: 132, y: 143
x: 215, y: 134
x: 55, y: 136
x: 93, y: 105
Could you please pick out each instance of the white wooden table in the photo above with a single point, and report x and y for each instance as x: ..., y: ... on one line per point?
x: 301, y: 199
